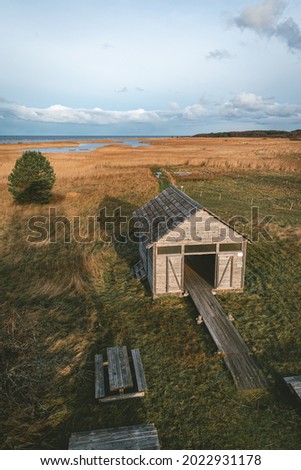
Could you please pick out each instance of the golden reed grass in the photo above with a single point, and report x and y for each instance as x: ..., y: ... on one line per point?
x: 115, y: 175
x: 236, y: 153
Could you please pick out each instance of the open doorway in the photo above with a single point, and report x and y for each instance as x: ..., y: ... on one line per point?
x: 204, y: 265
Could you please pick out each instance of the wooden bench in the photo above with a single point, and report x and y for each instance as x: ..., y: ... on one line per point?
x: 144, y: 437
x: 139, y: 371
x: 119, y: 375
x: 99, y: 377
x: 294, y: 384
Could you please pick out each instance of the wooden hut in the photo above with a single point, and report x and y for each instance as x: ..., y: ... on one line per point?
x: 175, y: 230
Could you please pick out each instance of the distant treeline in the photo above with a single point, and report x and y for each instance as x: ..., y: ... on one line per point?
x: 267, y: 134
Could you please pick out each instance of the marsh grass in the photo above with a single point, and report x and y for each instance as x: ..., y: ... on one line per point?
x: 63, y: 303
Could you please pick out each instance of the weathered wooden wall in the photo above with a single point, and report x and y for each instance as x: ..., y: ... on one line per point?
x: 168, y: 274
x: 150, y: 267
x: 229, y: 271
x: 202, y: 227
x: 147, y: 260
x: 165, y: 271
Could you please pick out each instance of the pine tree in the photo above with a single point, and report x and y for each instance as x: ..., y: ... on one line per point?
x: 32, y: 178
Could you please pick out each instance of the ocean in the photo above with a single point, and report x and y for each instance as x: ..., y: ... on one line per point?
x: 133, y: 141
x: 23, y: 139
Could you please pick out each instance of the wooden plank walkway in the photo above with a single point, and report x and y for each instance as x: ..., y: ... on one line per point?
x: 246, y: 373
x: 124, y: 438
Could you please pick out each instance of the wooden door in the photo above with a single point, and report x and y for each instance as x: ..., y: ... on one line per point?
x: 173, y: 273
x: 224, y: 271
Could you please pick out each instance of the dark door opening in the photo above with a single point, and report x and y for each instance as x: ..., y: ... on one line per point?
x: 204, y: 265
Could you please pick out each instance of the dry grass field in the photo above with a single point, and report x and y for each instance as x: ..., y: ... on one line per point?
x: 63, y: 302
x: 247, y: 153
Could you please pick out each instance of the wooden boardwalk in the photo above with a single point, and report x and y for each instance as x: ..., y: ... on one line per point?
x: 239, y: 360
x: 125, y: 438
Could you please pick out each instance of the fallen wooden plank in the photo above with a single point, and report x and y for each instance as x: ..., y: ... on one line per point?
x: 122, y: 396
x: 122, y: 429
x: 124, y: 438
x: 294, y: 383
x: 99, y: 377
x: 139, y: 371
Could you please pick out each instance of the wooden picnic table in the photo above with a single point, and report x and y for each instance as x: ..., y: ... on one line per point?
x: 120, y: 374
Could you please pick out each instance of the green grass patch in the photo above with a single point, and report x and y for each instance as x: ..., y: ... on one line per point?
x: 63, y: 303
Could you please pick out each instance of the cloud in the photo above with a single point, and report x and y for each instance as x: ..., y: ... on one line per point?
x: 261, y: 17
x: 256, y: 108
x: 290, y: 32
x: 219, y: 54
x: 63, y: 114
x: 265, y: 20
x: 243, y: 106
x: 194, y: 112
x: 174, y: 105
x: 126, y: 89
x: 122, y: 90
x: 247, y: 101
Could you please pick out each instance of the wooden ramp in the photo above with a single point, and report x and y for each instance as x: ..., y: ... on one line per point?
x: 125, y: 438
x: 239, y: 360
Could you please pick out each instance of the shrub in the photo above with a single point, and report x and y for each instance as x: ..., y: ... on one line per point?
x: 32, y: 178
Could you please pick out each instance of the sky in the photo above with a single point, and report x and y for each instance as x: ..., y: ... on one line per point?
x: 159, y: 67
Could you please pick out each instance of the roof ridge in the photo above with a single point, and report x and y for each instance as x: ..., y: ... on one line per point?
x: 188, y: 198
x: 175, y: 204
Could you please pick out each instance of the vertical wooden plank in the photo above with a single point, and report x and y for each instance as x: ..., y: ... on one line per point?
x: 124, y: 367
x: 231, y: 270
x: 167, y: 275
x: 223, y: 268
x: 243, y: 274
x: 182, y: 269
x: 171, y: 266
x: 215, y: 264
x: 154, y: 288
x: 217, y: 270
x: 139, y: 371
x: 112, y: 369
x: 99, y: 377
x: 150, y: 267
